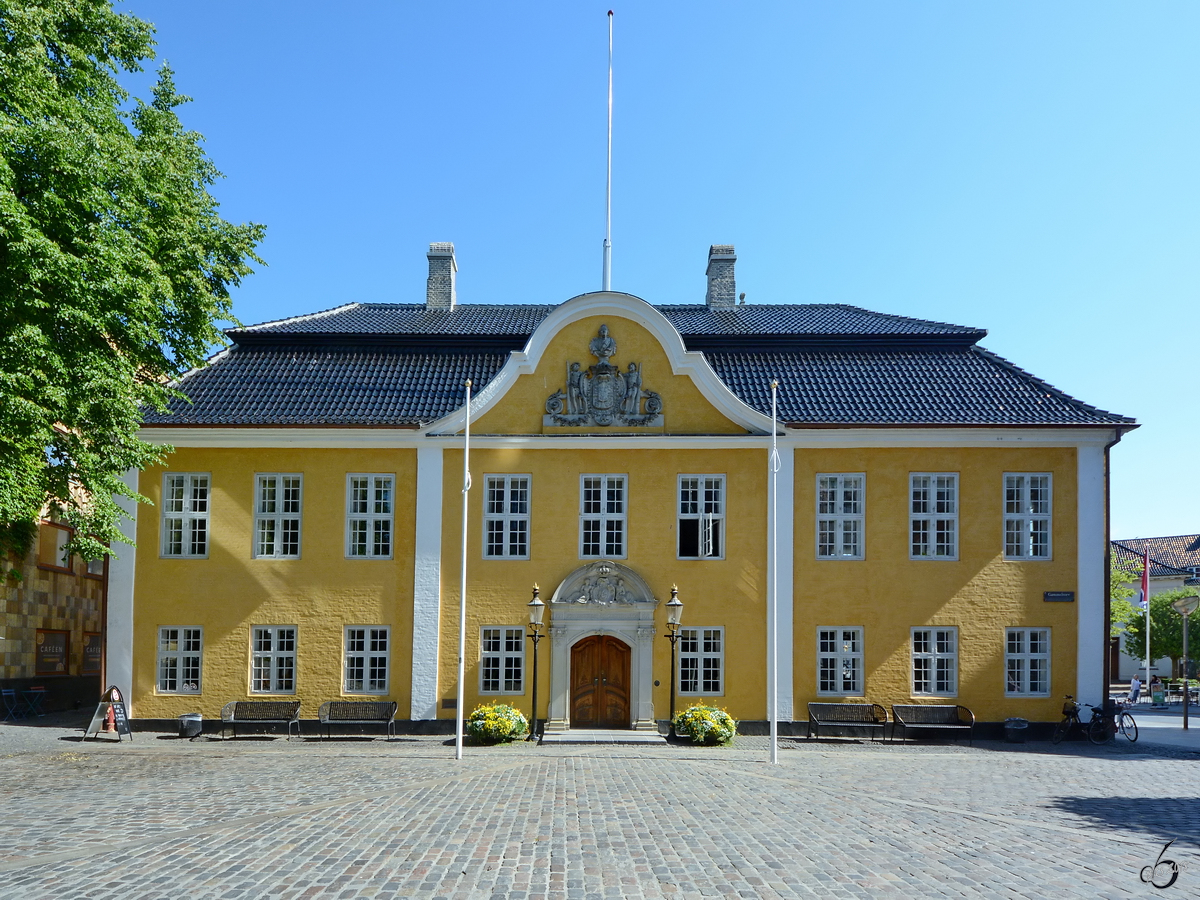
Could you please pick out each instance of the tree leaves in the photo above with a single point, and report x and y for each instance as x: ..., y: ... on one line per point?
x: 115, y: 265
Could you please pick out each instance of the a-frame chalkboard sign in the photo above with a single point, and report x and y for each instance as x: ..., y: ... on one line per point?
x: 113, y: 700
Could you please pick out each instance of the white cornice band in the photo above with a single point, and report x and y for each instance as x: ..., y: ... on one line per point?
x: 801, y: 438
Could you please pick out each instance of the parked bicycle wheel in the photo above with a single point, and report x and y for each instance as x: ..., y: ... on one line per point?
x: 1128, y: 727
x: 1060, y: 730
x: 1097, y: 731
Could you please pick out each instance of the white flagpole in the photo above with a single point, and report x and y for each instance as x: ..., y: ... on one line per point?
x: 1146, y: 599
x: 462, y: 595
x: 606, y: 279
x: 773, y: 651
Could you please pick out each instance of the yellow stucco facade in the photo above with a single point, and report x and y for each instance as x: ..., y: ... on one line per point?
x: 884, y: 595
x: 229, y: 592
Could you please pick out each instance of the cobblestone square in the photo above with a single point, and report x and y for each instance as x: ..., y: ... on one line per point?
x: 162, y: 818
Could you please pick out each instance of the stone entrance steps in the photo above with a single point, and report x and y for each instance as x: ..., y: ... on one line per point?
x: 602, y: 736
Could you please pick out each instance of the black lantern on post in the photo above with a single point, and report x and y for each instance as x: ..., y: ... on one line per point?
x: 674, y: 614
x: 537, y: 609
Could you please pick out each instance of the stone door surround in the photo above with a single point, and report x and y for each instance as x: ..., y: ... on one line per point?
x: 603, y: 597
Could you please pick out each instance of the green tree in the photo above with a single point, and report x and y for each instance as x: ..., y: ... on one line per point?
x: 1120, y: 608
x: 1166, y: 629
x: 115, y: 267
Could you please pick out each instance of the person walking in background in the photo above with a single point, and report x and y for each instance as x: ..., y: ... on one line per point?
x: 1135, y: 689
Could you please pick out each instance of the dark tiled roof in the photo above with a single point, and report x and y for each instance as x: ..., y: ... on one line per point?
x: 965, y: 386
x: 397, y: 364
x: 409, y: 319
x: 823, y: 320
x: 1131, y: 561
x: 809, y: 319
x: 1178, y: 552
x: 328, y: 386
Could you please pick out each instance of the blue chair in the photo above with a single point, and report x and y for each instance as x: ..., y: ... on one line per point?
x: 34, y: 698
x: 12, y: 706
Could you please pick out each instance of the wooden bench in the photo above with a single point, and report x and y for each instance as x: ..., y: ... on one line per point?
x: 848, y: 715
x: 261, y: 712
x: 359, y: 712
x: 958, y: 718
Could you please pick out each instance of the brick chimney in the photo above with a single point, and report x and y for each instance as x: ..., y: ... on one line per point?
x: 439, y: 289
x: 722, y: 291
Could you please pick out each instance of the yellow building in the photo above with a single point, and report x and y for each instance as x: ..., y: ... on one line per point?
x: 939, y: 533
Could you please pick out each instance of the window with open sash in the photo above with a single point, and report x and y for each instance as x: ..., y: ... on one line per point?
x: 701, y: 516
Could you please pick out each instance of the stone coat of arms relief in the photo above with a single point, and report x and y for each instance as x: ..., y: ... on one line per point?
x: 603, y: 394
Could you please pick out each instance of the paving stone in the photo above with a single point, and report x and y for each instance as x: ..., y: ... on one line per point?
x: 301, y: 819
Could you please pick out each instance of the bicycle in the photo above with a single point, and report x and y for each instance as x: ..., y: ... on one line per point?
x: 1120, y: 722
x: 1096, y: 728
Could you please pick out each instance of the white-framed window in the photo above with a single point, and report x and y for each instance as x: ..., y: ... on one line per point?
x: 506, y: 516
x: 933, y: 515
x: 370, y: 512
x: 702, y: 661
x: 840, y: 660
x: 179, y: 652
x: 935, y: 661
x: 502, y: 660
x: 1027, y: 510
x: 840, y: 508
x: 1027, y: 662
x: 185, y: 514
x: 277, y: 502
x: 366, y: 667
x: 602, y: 517
x: 701, y: 517
x: 273, y: 659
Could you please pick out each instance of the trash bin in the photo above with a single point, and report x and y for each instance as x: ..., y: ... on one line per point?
x: 1014, y: 730
x: 190, y: 725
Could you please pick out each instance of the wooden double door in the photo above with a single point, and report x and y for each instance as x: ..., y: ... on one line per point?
x: 600, y: 683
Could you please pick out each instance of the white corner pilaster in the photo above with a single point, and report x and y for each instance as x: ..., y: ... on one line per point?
x: 118, y: 626
x: 782, y: 545
x: 427, y: 584
x: 1090, y: 626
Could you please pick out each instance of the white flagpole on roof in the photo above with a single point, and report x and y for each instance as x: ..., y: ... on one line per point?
x: 462, y: 595
x: 773, y: 649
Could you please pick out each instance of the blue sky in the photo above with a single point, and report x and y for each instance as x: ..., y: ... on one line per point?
x: 1028, y: 168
